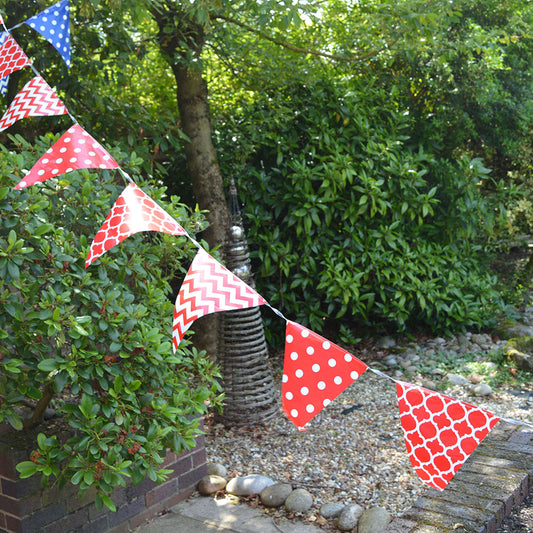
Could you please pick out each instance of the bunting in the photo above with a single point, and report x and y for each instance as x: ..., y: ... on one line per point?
x: 315, y: 372
x: 207, y: 288
x: 4, y: 81
x: 36, y: 99
x: 75, y: 149
x: 54, y: 25
x: 133, y: 212
x: 440, y: 432
x: 12, y: 57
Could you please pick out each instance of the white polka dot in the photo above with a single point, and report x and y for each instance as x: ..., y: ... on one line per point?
x: 59, y: 160
x: 326, y: 402
x: 289, y: 395
x: 41, y: 172
x: 92, y: 154
x: 22, y: 184
x: 321, y: 385
x: 55, y: 171
x: 81, y: 141
x: 310, y: 350
x: 294, y: 356
x: 102, y: 165
x: 354, y: 375
x: 347, y: 357
x: 52, y: 31
x: 305, y: 333
x: 43, y: 28
x: 69, y: 170
x: 73, y: 159
x: 63, y: 150
x: 289, y: 338
x: 337, y: 380
x: 77, y: 150
x: 88, y: 162
x: 332, y: 362
x: 45, y: 161
x: 310, y: 408
x: 304, y: 391
x: 326, y: 345
x: 315, y: 368
x: 285, y: 378
x: 67, y: 139
x: 294, y: 413
x: 299, y: 373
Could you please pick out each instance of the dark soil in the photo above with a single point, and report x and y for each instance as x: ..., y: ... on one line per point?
x: 521, y: 519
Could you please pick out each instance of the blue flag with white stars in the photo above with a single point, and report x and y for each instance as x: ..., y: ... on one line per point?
x: 54, y: 25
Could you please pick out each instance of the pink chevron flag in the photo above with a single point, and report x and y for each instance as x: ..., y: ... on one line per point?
x: 75, y: 149
x: 12, y: 57
x: 440, y: 432
x: 315, y: 372
x: 207, y: 288
x: 36, y: 99
x: 133, y: 212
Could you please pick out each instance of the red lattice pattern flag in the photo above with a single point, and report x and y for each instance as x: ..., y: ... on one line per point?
x: 133, y: 212
x: 36, y: 99
x: 75, y: 149
x: 12, y: 57
x: 440, y: 432
x: 315, y: 372
x: 207, y: 288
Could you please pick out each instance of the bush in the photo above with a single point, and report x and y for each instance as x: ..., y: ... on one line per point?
x: 350, y: 222
x: 95, y: 344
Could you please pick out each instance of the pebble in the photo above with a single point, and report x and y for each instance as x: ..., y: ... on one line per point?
x: 210, y: 484
x: 384, y: 343
x: 373, y: 520
x: 248, y: 485
x: 217, y: 469
x: 275, y: 495
x: 349, y: 517
x: 299, y: 501
x: 331, y: 510
x: 456, y: 379
x: 482, y: 389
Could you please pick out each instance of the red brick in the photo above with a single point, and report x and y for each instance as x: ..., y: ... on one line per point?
x: 161, y: 493
x: 199, y: 458
x: 13, y: 524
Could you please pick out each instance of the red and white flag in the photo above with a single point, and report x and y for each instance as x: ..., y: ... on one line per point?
x: 75, y: 149
x: 133, y: 212
x: 440, y: 432
x: 207, y: 288
x: 12, y: 57
x: 315, y: 372
x: 36, y: 99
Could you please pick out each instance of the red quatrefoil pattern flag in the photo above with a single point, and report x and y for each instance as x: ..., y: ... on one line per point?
x: 12, y: 57
x: 440, y: 432
x: 207, y: 288
x: 36, y: 99
x: 133, y: 212
x: 75, y: 149
x: 315, y: 372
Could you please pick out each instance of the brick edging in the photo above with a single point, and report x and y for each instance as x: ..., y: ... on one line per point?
x: 494, y: 479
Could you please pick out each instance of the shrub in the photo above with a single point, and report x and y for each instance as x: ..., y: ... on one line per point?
x: 93, y: 344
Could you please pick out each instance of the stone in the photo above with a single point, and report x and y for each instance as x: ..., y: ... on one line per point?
x: 385, y: 343
x: 482, y: 389
x: 216, y: 469
x: 349, y: 517
x: 248, y: 485
x: 331, y: 510
x: 456, y: 379
x: 514, y: 329
x: 519, y: 351
x: 390, y: 360
x: 210, y: 484
x: 275, y: 495
x: 299, y: 501
x: 373, y: 520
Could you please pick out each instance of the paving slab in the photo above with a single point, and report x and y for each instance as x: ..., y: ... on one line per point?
x: 207, y: 514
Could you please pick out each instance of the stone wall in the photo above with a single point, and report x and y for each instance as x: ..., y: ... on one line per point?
x: 25, y: 507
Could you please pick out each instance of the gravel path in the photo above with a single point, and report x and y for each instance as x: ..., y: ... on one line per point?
x: 353, y: 451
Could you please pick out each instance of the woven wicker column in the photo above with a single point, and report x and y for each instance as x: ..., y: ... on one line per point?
x: 250, y: 394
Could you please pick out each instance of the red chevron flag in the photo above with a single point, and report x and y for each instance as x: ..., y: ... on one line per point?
x: 207, y: 288
x: 134, y: 211
x: 440, y: 433
x: 36, y: 99
x: 12, y: 57
x: 75, y: 149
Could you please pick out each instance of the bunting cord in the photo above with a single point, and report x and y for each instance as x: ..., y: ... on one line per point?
x: 276, y: 311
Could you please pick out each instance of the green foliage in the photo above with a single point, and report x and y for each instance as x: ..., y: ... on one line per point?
x: 351, y: 223
x: 95, y: 343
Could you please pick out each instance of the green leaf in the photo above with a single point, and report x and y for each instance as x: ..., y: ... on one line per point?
x: 48, y: 365
x: 86, y: 405
x: 26, y: 469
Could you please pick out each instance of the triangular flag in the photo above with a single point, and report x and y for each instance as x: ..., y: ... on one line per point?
x: 207, y: 288
x: 75, y: 149
x: 54, y: 25
x: 4, y: 82
x: 440, y: 432
x: 133, y: 212
x: 315, y: 372
x: 36, y: 99
x: 12, y: 57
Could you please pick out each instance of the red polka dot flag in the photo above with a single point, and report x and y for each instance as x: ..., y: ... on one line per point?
x: 134, y: 211
x: 315, y: 372
x: 440, y: 432
x: 75, y: 149
x: 12, y: 57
